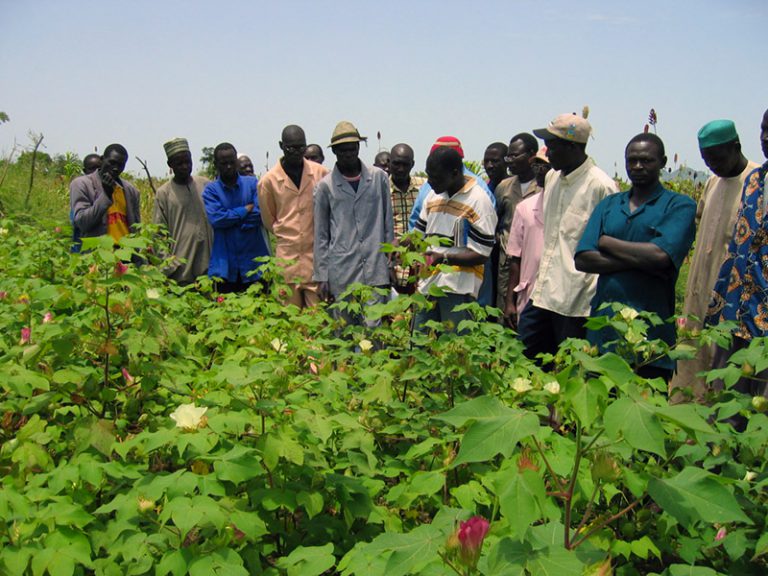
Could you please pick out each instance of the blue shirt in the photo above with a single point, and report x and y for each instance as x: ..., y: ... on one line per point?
x: 238, y: 236
x: 666, y: 219
x: 425, y: 189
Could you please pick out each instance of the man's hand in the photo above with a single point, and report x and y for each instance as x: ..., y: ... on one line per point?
x: 249, y: 207
x: 434, y: 258
x: 108, y: 183
x: 510, y: 314
x: 324, y: 291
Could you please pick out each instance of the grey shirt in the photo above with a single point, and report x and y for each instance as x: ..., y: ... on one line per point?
x: 350, y: 228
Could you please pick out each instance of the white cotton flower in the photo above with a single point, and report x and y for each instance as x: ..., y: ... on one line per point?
x: 552, y: 387
x: 188, y: 416
x: 628, y: 313
x: 153, y: 293
x: 3, y: 231
x: 365, y: 345
x: 633, y: 336
x: 521, y: 385
x: 750, y: 475
x: 278, y: 345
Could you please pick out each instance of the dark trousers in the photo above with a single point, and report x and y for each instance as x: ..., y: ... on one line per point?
x: 542, y: 331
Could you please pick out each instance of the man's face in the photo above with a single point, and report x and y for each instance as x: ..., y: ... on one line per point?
x: 722, y: 159
x: 226, y: 164
x: 113, y: 164
x: 400, y: 164
x: 314, y: 153
x: 540, y: 169
x: 245, y: 166
x: 382, y: 161
x: 558, y: 153
x: 181, y: 164
x: 438, y: 177
x: 347, y: 154
x: 643, y: 162
x: 293, y: 146
x: 517, y: 158
x: 493, y: 162
x: 764, y: 134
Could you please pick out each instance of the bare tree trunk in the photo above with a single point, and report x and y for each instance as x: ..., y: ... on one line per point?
x: 37, y: 139
x: 149, y: 176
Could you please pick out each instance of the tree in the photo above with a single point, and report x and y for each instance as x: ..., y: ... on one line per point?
x: 206, y: 160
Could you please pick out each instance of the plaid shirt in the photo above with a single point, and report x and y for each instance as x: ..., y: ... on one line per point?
x: 402, y: 204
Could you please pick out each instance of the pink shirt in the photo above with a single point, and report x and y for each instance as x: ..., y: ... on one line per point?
x: 526, y: 241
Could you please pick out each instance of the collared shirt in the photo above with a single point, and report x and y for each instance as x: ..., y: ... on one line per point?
x: 287, y: 212
x: 526, y: 241
x: 569, y: 200
x: 350, y: 227
x: 402, y: 205
x: 469, y: 220
x: 426, y: 189
x: 509, y: 193
x: 179, y: 207
x: 666, y: 219
x: 238, y: 236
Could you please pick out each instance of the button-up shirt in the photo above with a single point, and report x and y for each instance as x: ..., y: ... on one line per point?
x: 286, y: 211
x: 238, y: 237
x: 350, y: 227
x: 568, y: 203
x: 666, y: 219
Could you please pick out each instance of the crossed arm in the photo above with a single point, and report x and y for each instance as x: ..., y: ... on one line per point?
x: 615, y: 255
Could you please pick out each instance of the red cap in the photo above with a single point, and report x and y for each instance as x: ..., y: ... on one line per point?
x: 451, y: 141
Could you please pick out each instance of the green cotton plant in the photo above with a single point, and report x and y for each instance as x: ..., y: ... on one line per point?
x: 148, y: 428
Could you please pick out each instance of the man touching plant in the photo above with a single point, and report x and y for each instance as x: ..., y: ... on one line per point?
x: 636, y: 242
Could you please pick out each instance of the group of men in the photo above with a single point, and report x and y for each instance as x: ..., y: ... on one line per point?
x: 548, y: 238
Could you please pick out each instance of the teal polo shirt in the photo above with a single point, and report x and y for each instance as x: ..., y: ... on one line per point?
x: 667, y: 219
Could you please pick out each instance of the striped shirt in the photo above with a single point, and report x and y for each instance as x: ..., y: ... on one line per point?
x: 468, y: 220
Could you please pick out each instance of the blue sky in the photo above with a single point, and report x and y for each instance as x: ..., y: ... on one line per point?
x: 88, y: 73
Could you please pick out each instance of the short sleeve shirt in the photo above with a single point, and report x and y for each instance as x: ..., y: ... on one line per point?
x: 667, y: 220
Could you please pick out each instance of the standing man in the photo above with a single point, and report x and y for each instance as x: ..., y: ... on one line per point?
x: 560, y: 300
x: 314, y: 153
x: 179, y: 207
x: 509, y: 193
x: 245, y: 166
x: 716, y: 215
x: 526, y: 242
x: 101, y: 202
x: 232, y: 206
x: 353, y: 218
x: 741, y: 290
x: 285, y: 200
x: 381, y: 160
x: 456, y: 208
x: 404, y: 189
x: 91, y: 163
x: 493, y: 163
x: 636, y: 242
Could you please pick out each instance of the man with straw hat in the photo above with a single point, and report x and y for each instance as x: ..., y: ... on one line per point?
x: 179, y: 207
x: 353, y: 218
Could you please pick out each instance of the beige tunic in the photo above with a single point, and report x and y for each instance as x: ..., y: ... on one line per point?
x: 179, y: 207
x: 716, y: 215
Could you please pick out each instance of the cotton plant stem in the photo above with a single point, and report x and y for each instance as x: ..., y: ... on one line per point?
x: 571, y: 487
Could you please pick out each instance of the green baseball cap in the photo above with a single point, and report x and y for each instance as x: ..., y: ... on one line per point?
x: 717, y: 132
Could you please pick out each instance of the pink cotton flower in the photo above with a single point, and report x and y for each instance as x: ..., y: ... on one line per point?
x: 120, y: 269
x: 26, y: 335
x: 682, y: 322
x: 127, y: 375
x: 47, y: 318
x: 220, y: 299
x: 721, y: 534
x: 3, y: 294
x: 471, y: 535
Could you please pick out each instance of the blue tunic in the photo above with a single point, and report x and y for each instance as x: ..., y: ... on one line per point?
x: 238, y: 237
x: 667, y: 220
